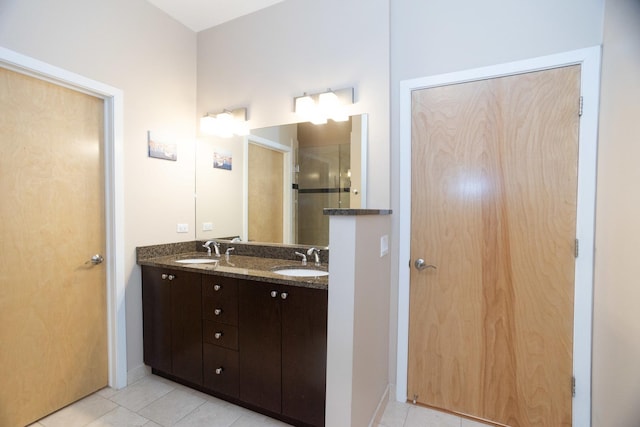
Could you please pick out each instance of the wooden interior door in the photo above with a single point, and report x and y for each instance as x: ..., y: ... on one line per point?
x: 494, y: 182
x: 53, y: 322
x: 266, y: 186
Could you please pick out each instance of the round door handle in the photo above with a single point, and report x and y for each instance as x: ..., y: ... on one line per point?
x: 284, y: 295
x: 171, y: 277
x: 217, y: 311
x: 421, y: 265
x: 96, y: 259
x: 217, y: 335
x: 219, y: 370
x: 164, y: 276
x: 216, y: 287
x: 274, y: 294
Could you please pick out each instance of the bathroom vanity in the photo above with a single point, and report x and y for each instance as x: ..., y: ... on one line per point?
x: 238, y: 331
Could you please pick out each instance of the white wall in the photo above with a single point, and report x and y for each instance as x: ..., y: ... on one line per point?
x: 265, y: 59
x: 130, y: 45
x: 434, y: 37
x: 616, y: 355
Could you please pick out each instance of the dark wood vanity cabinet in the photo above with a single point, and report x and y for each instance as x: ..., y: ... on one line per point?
x: 257, y: 343
x: 172, y: 322
x: 283, y: 349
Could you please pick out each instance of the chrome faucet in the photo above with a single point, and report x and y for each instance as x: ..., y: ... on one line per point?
x: 304, y: 257
x: 228, y: 252
x: 316, y: 253
x: 216, y: 247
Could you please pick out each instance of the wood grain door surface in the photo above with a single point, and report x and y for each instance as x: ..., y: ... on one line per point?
x: 494, y: 184
x: 265, y: 198
x: 53, y: 322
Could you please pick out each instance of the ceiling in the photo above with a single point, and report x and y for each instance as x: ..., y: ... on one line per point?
x: 202, y: 14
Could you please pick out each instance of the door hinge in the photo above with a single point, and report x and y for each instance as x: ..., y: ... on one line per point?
x: 580, y: 107
x: 577, y: 250
x: 573, y: 386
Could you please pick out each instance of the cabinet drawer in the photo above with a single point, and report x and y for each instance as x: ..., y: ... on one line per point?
x: 220, y: 299
x: 221, y: 334
x: 221, y: 370
x: 225, y: 288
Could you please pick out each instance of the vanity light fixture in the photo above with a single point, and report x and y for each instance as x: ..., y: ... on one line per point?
x: 225, y: 124
x: 319, y: 107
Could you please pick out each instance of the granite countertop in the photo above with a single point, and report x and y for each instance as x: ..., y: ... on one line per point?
x: 242, y: 267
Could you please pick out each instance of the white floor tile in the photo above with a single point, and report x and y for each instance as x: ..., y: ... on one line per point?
x: 395, y: 414
x: 421, y: 417
x: 80, y: 413
x: 120, y: 417
x: 471, y: 423
x: 211, y: 415
x: 141, y: 393
x: 171, y: 407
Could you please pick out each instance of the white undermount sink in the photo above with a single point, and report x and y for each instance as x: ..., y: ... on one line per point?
x: 196, y: 261
x: 300, y: 272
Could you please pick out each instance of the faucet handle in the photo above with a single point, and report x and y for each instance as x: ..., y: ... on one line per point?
x: 228, y: 251
x: 304, y: 257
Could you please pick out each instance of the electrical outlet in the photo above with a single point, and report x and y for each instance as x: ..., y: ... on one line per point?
x: 182, y: 228
x: 207, y: 226
x: 384, y: 245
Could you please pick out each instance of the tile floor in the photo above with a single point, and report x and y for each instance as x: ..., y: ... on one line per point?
x: 155, y: 401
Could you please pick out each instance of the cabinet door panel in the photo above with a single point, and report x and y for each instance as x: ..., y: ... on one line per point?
x: 259, y: 344
x: 186, y: 324
x: 221, y: 370
x: 304, y: 354
x: 156, y: 330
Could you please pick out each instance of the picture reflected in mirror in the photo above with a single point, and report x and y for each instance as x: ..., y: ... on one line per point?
x: 282, y: 179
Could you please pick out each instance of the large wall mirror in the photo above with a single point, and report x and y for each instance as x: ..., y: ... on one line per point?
x: 272, y: 185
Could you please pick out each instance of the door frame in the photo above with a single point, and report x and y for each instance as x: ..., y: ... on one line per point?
x: 287, y: 205
x: 589, y: 59
x: 114, y: 196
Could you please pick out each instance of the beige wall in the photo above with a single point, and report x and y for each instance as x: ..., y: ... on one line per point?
x: 616, y: 353
x: 265, y: 59
x: 130, y: 45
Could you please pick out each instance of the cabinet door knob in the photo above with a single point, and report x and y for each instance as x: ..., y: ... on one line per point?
x: 164, y: 276
x: 218, y: 335
x: 216, y: 287
x: 284, y: 295
x: 274, y: 294
x: 219, y: 370
x: 171, y: 277
x: 217, y: 311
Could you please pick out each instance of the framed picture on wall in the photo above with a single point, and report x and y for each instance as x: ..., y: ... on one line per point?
x: 222, y: 159
x: 161, y: 147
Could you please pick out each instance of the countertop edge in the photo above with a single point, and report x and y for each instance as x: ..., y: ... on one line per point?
x: 356, y: 212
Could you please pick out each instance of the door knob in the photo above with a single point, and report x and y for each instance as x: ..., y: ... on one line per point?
x: 95, y: 260
x: 421, y: 265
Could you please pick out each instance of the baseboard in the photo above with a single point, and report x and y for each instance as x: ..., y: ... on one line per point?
x: 138, y: 373
x: 382, y: 405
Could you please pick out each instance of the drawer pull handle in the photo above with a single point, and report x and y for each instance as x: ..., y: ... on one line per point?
x: 217, y: 287
x: 217, y: 311
x: 274, y: 294
x: 217, y: 335
x: 219, y: 370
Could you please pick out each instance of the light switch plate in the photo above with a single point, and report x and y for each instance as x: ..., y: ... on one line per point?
x: 384, y: 245
x: 182, y: 228
x: 207, y: 226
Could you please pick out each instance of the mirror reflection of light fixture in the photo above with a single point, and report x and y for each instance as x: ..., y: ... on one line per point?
x: 317, y: 108
x: 226, y: 123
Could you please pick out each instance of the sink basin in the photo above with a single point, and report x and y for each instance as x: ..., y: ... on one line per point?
x: 301, y: 272
x: 197, y: 261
